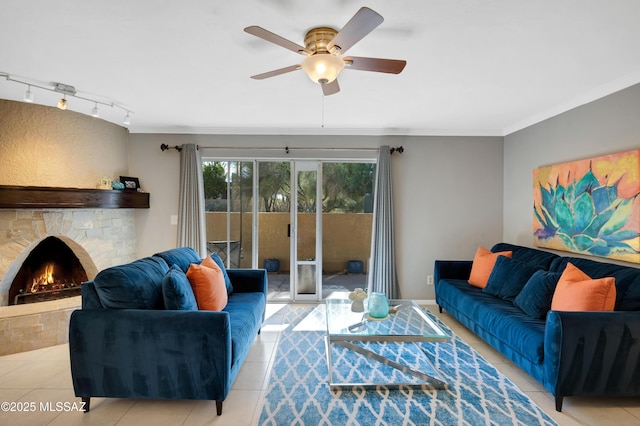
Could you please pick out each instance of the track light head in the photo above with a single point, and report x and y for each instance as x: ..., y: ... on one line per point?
x: 94, y: 111
x: 127, y: 119
x: 28, y: 95
x: 62, y: 103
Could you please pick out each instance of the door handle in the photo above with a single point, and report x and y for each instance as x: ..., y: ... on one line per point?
x: 289, y: 230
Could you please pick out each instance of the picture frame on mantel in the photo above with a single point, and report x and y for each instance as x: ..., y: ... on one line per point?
x: 130, y: 183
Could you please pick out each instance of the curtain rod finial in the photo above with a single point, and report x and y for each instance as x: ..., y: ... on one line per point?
x: 165, y: 147
x: 399, y: 150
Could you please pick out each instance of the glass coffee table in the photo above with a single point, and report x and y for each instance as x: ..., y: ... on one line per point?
x: 391, y: 341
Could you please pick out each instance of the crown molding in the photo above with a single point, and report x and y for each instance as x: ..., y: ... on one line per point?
x: 304, y: 131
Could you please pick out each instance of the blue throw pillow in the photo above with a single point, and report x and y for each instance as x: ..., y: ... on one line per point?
x: 508, y: 277
x: 535, y: 297
x: 181, y: 256
x: 177, y: 292
x: 135, y: 285
x: 220, y: 264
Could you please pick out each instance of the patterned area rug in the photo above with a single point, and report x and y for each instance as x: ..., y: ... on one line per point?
x: 299, y: 392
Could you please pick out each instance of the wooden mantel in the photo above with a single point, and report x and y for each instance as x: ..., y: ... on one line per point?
x: 39, y: 197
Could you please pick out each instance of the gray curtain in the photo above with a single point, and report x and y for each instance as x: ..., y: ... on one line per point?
x: 191, y: 225
x: 383, y: 276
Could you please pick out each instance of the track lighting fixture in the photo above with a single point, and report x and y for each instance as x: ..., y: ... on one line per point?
x: 62, y: 103
x: 28, y: 95
x: 65, y: 90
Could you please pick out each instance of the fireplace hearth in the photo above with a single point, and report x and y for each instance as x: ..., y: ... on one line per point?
x: 51, y: 271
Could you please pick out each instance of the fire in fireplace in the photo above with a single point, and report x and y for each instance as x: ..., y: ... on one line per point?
x: 51, y: 271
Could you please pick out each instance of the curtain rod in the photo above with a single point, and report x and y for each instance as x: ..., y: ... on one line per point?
x: 286, y: 149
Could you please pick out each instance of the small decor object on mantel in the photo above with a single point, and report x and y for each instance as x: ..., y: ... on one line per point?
x: 357, y: 296
x: 104, y: 183
x: 117, y: 185
x: 130, y: 183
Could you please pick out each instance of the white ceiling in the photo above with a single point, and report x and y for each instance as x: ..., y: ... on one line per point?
x: 474, y: 67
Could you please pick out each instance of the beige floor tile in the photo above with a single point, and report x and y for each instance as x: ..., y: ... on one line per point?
x: 43, y: 407
x: 270, y: 333
x: 525, y: 382
x: 62, y: 380
x: 261, y: 351
x: 237, y: 410
x: 104, y: 411
x: 33, y: 374
x: 251, y: 376
x: 12, y: 394
x: 157, y: 412
x: 9, y: 365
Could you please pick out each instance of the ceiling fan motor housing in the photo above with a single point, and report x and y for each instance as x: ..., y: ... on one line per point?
x: 317, y: 39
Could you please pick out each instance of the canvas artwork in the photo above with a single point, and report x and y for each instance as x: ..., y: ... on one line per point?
x: 589, y: 206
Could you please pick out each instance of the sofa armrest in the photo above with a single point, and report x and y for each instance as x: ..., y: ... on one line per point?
x: 248, y: 280
x: 132, y: 353
x: 592, y: 353
x: 453, y: 269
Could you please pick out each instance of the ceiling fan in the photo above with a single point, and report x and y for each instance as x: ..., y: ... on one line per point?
x: 324, y: 47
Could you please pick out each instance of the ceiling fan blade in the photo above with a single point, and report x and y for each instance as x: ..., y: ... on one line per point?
x: 331, y: 88
x: 275, y: 38
x: 391, y: 66
x: 362, y: 23
x: 275, y: 72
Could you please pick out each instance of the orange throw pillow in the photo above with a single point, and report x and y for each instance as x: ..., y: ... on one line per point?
x: 576, y: 291
x: 483, y: 263
x: 208, y: 285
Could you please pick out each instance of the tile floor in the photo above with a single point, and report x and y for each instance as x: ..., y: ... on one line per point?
x: 41, y: 379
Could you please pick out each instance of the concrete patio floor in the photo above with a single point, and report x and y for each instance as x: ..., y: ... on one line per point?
x: 279, y: 285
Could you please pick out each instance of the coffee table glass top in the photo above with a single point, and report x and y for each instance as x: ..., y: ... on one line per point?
x: 408, y: 323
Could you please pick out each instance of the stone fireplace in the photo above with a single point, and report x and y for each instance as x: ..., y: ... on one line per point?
x: 51, y: 271
x: 93, y: 239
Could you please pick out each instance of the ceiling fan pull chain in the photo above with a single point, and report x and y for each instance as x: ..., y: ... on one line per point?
x: 322, y: 124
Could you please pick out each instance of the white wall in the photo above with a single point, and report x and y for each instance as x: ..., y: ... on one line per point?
x: 447, y: 191
x: 607, y: 125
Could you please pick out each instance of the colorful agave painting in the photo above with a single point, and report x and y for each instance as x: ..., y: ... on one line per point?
x: 589, y: 206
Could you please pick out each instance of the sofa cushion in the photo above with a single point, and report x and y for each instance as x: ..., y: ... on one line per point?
x: 483, y: 263
x: 246, y: 312
x: 208, y: 286
x: 535, y: 297
x: 627, y: 279
x: 181, y: 256
x: 576, y: 291
x: 135, y: 285
x: 176, y: 291
x: 508, y: 277
x: 220, y: 263
x: 527, y: 254
x: 512, y: 331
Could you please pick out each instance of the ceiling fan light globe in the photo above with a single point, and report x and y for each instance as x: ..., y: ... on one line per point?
x: 322, y: 68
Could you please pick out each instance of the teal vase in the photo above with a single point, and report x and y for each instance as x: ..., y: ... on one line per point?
x: 378, y: 305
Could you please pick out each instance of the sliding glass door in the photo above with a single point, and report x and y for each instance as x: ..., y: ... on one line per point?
x: 307, y: 222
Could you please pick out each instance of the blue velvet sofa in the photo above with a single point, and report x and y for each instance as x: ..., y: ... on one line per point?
x: 140, y: 334
x: 569, y: 353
